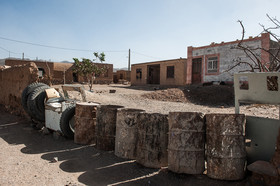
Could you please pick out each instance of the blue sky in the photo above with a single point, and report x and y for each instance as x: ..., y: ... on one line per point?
x: 152, y: 29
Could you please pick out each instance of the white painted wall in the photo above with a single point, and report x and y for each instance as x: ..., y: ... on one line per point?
x: 228, y: 57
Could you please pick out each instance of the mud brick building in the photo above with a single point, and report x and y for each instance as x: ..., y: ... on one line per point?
x: 62, y: 71
x: 121, y: 76
x: 168, y: 72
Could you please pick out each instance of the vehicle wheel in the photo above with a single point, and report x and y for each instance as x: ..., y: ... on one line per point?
x: 32, y: 103
x: 41, y: 101
x: 67, y: 122
x: 27, y: 91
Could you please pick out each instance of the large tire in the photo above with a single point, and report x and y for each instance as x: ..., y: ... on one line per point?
x: 67, y: 121
x: 32, y: 103
x: 27, y: 91
x: 41, y: 101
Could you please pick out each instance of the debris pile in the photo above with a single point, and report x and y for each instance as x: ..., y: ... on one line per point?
x: 214, y: 95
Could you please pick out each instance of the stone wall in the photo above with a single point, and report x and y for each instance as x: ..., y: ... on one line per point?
x: 12, y: 82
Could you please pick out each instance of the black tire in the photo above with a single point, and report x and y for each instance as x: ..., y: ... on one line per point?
x: 27, y: 91
x: 67, y: 116
x: 32, y: 103
x: 41, y: 101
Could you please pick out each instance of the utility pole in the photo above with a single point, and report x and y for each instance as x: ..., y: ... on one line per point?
x: 128, y: 60
x: 23, y: 56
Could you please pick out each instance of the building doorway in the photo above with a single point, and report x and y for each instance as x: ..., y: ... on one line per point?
x: 75, y: 77
x: 196, y: 70
x: 153, y: 74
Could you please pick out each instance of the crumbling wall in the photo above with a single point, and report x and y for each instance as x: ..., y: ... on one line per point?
x: 12, y: 82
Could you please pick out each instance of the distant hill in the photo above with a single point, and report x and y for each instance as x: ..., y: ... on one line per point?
x: 116, y: 69
x: 65, y: 62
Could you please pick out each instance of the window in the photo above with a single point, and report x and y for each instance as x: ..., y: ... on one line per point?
x: 272, y: 83
x: 243, y: 83
x: 170, y: 72
x: 41, y: 72
x: 138, y: 73
x: 212, y: 64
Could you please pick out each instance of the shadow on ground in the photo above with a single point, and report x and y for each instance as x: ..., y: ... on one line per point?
x: 96, y: 167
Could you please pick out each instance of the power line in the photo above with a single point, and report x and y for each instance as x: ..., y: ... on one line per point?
x: 55, y: 47
x: 4, y: 49
x: 145, y: 55
x: 9, y: 51
x: 64, y: 48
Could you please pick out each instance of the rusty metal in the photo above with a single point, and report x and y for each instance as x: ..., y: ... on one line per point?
x: 226, y: 155
x: 85, y: 121
x: 186, y: 142
x: 152, y: 140
x: 126, y: 133
x: 106, y: 126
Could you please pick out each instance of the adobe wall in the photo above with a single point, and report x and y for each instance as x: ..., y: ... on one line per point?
x: 12, y: 82
x: 179, y: 72
x: 105, y: 78
x: 143, y: 80
x: 61, y: 71
x: 47, y: 66
x: 58, y: 71
x: 124, y: 73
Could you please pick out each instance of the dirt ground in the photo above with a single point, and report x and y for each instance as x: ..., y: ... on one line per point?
x: 29, y: 157
x: 208, y: 99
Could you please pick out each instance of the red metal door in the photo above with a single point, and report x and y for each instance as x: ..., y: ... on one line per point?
x: 196, y: 70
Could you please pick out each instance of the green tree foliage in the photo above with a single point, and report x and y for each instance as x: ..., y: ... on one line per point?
x: 89, y: 68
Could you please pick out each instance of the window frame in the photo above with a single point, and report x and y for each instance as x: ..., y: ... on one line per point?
x: 170, y: 75
x: 210, y: 59
x: 139, y: 70
x: 41, y: 72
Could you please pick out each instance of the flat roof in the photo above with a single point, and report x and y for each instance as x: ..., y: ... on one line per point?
x: 229, y: 42
x: 162, y: 61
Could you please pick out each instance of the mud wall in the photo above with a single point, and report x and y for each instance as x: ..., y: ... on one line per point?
x: 179, y: 78
x: 12, y: 82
